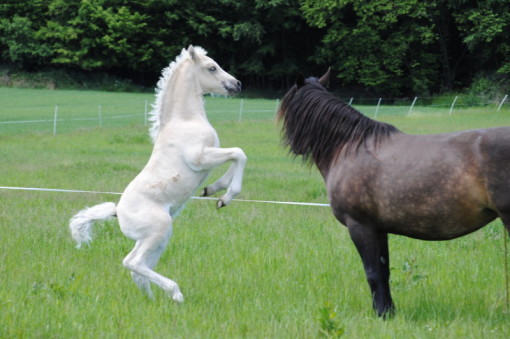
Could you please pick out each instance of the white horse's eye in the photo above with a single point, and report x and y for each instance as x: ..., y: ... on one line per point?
x: 212, y: 68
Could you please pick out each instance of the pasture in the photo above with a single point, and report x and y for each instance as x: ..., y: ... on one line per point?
x: 251, y: 270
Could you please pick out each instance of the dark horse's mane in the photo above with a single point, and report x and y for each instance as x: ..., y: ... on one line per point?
x: 317, y: 125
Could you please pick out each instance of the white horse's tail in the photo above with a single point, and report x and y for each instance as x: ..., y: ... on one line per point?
x: 81, y: 223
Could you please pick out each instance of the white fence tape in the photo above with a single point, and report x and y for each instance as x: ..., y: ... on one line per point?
x: 196, y: 198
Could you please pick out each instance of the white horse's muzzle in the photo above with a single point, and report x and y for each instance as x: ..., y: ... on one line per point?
x: 232, y: 87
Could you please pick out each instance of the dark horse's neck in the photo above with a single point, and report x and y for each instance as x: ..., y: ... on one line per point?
x: 317, y: 125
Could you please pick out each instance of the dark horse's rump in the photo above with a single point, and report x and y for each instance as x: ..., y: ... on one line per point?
x: 380, y: 180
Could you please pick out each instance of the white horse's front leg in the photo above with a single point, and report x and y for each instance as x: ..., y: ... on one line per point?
x: 232, y: 180
x: 222, y: 183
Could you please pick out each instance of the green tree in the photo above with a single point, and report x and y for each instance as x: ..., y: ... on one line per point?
x: 392, y: 48
x: 265, y: 42
x: 19, y: 40
x: 22, y: 43
x: 485, y: 30
x: 383, y: 45
x: 96, y: 34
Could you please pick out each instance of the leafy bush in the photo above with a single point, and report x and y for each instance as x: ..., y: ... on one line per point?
x: 66, y: 79
x: 490, y: 87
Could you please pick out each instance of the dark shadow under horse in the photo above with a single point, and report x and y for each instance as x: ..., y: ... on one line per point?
x: 380, y: 180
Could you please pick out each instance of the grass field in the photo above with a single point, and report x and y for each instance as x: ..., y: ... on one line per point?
x: 35, y: 110
x: 249, y: 270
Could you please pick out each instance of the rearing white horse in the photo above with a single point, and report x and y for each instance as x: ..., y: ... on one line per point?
x: 186, y: 148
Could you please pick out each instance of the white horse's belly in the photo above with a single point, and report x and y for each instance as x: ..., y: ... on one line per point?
x: 170, y: 190
x: 162, y: 193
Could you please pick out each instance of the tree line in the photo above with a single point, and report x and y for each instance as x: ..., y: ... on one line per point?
x: 380, y: 46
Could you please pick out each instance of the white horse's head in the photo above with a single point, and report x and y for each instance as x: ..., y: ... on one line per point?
x: 200, y: 71
x: 211, y: 77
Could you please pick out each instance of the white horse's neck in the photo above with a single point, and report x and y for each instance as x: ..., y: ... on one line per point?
x: 179, y: 95
x: 183, y: 97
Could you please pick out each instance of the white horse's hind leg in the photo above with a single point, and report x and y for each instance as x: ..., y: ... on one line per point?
x: 138, y: 263
x: 144, y: 257
x: 152, y: 260
x: 143, y: 284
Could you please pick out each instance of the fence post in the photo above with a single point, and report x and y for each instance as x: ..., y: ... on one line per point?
x: 453, y: 104
x: 100, y: 116
x: 145, y: 113
x: 55, y: 121
x: 412, y: 105
x: 241, y: 110
x: 377, y: 108
x: 502, y: 102
x: 350, y: 101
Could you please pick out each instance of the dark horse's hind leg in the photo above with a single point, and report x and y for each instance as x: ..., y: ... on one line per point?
x: 373, y: 249
x: 505, y: 217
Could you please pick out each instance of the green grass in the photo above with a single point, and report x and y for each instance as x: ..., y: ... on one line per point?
x: 248, y: 270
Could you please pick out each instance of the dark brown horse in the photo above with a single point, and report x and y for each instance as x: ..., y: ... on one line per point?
x: 380, y: 180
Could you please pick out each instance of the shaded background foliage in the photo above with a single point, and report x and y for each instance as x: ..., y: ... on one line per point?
x: 377, y: 46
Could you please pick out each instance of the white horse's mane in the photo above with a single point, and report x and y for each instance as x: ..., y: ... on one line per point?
x: 166, y: 74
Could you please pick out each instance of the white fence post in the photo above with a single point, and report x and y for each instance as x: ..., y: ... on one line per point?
x: 145, y: 113
x: 241, y: 110
x: 100, y: 116
x: 453, y: 104
x: 502, y: 102
x: 377, y: 108
x: 55, y: 121
x: 350, y: 101
x: 412, y: 105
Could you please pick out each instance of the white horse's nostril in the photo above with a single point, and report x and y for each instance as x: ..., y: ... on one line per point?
x: 232, y: 87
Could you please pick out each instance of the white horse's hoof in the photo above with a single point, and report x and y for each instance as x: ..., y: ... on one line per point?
x: 204, y: 192
x: 178, y: 297
x: 221, y: 203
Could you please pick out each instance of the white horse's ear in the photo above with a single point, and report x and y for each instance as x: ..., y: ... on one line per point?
x: 324, y: 80
x: 192, y: 53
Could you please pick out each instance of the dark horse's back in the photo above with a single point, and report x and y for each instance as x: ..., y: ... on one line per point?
x: 432, y: 187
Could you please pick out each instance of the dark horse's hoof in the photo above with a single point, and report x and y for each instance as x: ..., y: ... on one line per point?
x: 387, y: 313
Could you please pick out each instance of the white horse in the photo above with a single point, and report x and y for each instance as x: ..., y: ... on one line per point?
x: 186, y: 148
